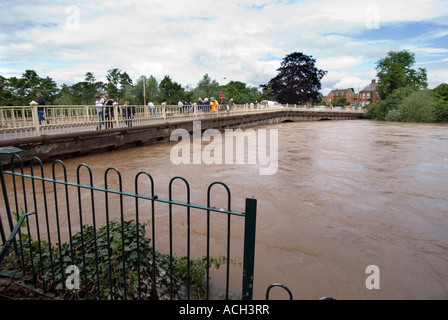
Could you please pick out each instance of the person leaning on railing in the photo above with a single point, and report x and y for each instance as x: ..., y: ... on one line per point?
x: 41, y: 110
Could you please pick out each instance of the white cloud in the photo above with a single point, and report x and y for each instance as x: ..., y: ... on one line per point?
x: 186, y: 39
x: 341, y: 62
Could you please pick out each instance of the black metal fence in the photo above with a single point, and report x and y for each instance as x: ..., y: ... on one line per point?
x: 82, y: 241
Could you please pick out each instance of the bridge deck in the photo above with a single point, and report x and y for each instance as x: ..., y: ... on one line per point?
x: 62, y: 140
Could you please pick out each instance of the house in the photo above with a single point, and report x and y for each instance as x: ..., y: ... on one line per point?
x: 343, y: 93
x: 440, y: 86
x: 368, y: 95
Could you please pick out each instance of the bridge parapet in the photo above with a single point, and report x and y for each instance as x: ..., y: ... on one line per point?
x: 23, y: 121
x: 49, y: 147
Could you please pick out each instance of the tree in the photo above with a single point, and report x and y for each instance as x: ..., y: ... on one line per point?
x: 298, y: 80
x: 206, y: 88
x: 395, y: 71
x: 118, y: 81
x: 21, y: 91
x: 170, y: 91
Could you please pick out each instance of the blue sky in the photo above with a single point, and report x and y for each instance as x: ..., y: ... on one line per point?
x: 233, y: 39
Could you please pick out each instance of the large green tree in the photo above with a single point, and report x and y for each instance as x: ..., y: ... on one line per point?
x: 118, y: 82
x: 170, y: 91
x: 81, y: 92
x: 298, y: 79
x: 21, y: 91
x: 206, y: 88
x: 395, y: 71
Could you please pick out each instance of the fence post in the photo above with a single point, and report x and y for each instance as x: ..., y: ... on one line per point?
x: 86, y: 114
x: 35, y: 115
x: 6, y: 151
x: 249, y: 248
x: 116, y: 115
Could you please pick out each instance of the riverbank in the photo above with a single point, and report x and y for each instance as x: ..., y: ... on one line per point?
x: 409, y: 104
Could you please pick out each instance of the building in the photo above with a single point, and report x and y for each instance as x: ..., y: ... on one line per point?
x: 343, y: 93
x: 368, y: 95
x: 440, y: 86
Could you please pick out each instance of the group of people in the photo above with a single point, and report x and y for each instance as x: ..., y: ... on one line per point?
x: 105, y: 110
x: 204, y: 105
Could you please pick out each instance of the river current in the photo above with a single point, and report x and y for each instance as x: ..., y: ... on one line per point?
x: 346, y: 195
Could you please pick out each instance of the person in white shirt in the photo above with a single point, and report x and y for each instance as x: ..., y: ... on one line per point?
x: 153, y: 108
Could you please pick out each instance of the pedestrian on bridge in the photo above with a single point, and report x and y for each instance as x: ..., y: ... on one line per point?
x: 108, y: 111
x: 214, y: 105
x: 41, y: 110
x: 99, y: 102
x: 128, y: 113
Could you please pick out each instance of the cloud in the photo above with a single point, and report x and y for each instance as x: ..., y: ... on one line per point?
x: 340, y: 62
x: 237, y: 39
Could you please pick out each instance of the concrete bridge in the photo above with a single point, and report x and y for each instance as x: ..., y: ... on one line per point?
x: 88, y: 140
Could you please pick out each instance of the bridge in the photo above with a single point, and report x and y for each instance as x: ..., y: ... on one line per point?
x: 69, y: 131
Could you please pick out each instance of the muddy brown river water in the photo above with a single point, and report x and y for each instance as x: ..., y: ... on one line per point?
x: 347, y: 195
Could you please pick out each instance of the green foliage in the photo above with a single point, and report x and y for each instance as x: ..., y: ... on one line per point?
x: 340, y: 101
x: 379, y: 110
x: 170, y: 91
x: 206, y: 88
x: 298, y: 79
x: 21, y: 91
x: 395, y: 71
x: 241, y: 93
x: 409, y: 104
x: 106, y: 256
x: 442, y: 92
x: 441, y: 111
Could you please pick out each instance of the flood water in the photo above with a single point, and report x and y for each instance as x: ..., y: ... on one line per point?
x: 346, y: 195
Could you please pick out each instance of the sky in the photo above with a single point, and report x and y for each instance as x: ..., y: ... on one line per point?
x: 231, y: 40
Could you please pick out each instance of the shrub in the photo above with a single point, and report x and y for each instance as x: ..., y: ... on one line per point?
x: 104, y: 265
x: 419, y: 106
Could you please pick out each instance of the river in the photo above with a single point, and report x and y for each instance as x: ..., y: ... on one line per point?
x: 347, y: 195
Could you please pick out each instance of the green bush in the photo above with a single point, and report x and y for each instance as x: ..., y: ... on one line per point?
x: 419, y: 106
x: 409, y: 104
x: 103, y: 265
x: 380, y: 110
x: 441, y: 111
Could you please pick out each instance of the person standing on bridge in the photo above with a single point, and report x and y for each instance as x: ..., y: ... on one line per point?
x: 213, y: 104
x: 128, y: 113
x: 108, y: 111
x: 230, y: 105
x: 99, y: 102
x: 41, y: 110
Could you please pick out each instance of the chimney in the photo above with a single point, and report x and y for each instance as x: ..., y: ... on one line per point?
x: 373, y: 81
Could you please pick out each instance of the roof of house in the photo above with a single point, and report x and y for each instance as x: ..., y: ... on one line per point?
x: 340, y: 92
x: 370, y: 87
x: 441, y: 85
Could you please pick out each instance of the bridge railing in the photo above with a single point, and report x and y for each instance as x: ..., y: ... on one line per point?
x: 23, y: 121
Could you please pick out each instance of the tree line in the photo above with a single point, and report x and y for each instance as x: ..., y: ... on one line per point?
x: 298, y: 81
x: 16, y: 91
